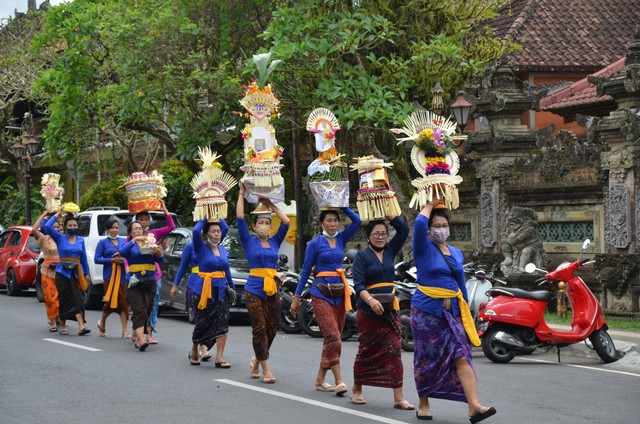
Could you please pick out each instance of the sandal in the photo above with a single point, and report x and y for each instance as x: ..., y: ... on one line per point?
x: 223, y: 364
x: 193, y: 361
x: 268, y: 380
x: 485, y: 413
x: 325, y: 387
x: 64, y: 332
x: 341, y: 389
x: 404, y: 404
x: 206, y: 357
x: 253, y: 365
x: 126, y: 336
x: 53, y: 329
x: 425, y: 417
x: 142, y: 347
x: 357, y: 399
x: 84, y: 331
x: 101, y: 331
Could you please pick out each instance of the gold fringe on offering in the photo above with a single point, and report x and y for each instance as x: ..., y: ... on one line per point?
x: 210, y: 186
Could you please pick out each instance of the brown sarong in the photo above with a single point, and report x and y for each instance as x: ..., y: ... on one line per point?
x: 263, y: 314
x: 331, y: 322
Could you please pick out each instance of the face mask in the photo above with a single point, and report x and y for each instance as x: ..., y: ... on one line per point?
x: 72, y: 231
x: 324, y: 233
x: 112, y: 237
x: 211, y: 242
x: 377, y: 249
x: 262, y: 232
x: 439, y: 235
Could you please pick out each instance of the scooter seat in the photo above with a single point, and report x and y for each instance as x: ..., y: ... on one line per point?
x: 522, y: 294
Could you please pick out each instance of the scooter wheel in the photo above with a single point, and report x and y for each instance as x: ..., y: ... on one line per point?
x: 496, y: 352
x: 604, y: 346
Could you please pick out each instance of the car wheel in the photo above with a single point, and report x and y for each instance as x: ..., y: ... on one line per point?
x: 13, y: 289
x: 39, y: 292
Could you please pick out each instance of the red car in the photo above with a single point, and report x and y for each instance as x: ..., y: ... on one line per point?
x: 18, y: 254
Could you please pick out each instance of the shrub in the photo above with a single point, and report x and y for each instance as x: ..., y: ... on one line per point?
x: 110, y: 193
x: 179, y: 200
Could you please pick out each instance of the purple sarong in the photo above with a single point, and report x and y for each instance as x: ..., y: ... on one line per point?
x: 438, y: 342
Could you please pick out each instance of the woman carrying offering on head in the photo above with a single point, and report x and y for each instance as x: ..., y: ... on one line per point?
x: 210, y: 300
x: 379, y: 358
x: 442, y: 326
x: 142, y: 260
x: 261, y: 291
x: 113, y: 272
x: 72, y: 272
x: 330, y: 293
x: 144, y: 218
x: 48, y: 267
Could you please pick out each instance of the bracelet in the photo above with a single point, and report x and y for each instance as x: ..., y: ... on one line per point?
x: 370, y: 297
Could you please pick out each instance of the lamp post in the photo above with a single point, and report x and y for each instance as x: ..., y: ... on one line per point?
x: 460, y: 110
x: 24, y: 152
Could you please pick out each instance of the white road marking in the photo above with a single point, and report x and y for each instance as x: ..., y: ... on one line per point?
x: 90, y: 349
x: 312, y: 402
x: 581, y: 366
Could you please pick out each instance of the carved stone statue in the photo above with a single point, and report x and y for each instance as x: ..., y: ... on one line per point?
x: 523, y: 244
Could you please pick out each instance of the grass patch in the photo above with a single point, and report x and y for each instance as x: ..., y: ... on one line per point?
x: 613, y: 321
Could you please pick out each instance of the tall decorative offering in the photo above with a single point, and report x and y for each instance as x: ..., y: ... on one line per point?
x: 376, y: 197
x: 433, y: 156
x: 144, y: 192
x: 52, y: 191
x: 210, y: 186
x: 262, y: 152
x: 328, y: 175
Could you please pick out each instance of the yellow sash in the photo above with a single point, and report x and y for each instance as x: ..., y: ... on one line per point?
x: 347, y: 290
x: 206, y: 286
x: 396, y: 304
x: 141, y: 268
x: 195, y: 270
x: 270, y: 287
x: 465, y: 312
x: 114, y: 286
x: 82, y: 282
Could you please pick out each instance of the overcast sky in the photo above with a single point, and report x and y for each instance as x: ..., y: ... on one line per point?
x: 7, y: 7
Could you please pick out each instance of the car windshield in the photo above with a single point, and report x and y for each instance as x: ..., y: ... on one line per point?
x: 232, y: 243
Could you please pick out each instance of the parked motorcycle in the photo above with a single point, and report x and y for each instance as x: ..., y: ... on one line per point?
x: 512, y: 322
x: 479, y: 282
x: 286, y: 322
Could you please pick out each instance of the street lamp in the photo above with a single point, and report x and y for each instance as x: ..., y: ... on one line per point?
x: 461, y: 109
x: 24, y: 152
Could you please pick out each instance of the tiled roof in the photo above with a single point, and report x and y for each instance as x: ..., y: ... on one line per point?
x: 563, y: 35
x: 581, y: 92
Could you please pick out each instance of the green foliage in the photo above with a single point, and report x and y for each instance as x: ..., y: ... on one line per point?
x: 110, y: 193
x: 177, y: 179
x: 12, y: 206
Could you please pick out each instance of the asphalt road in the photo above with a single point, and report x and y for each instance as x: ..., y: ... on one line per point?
x: 95, y: 379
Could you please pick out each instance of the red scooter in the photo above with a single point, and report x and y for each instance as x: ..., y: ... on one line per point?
x: 512, y: 322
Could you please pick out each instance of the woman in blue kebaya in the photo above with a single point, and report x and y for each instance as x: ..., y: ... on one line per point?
x: 261, y: 291
x: 442, y: 325
x: 141, y: 276
x: 208, y: 282
x: 115, y: 292
x: 326, y: 253
x: 72, y: 272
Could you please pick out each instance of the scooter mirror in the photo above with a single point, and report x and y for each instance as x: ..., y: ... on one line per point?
x: 585, y: 244
x: 530, y: 268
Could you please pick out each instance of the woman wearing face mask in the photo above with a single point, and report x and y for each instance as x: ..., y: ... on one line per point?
x: 443, y: 330
x: 326, y: 253
x: 141, y: 281
x: 210, y: 300
x: 108, y: 255
x: 379, y: 358
x: 48, y: 267
x: 261, y: 292
x: 144, y: 218
x: 72, y: 272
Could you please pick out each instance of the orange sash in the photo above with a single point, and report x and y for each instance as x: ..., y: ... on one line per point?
x: 114, y: 286
x: 347, y: 290
x: 82, y: 282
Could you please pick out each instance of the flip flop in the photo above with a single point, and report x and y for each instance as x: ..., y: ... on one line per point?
x: 205, y: 358
x: 325, y: 387
x: 357, y: 399
x: 64, y: 332
x: 476, y: 418
x: 126, y: 336
x: 223, y: 364
x: 268, y: 380
x: 53, y: 329
x: 341, y: 389
x: 404, y: 405
x: 142, y: 347
x: 84, y: 331
x: 255, y: 371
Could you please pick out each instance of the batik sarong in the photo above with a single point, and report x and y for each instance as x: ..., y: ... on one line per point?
x: 263, y: 314
x: 438, y: 342
x: 331, y: 322
x: 211, y: 322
